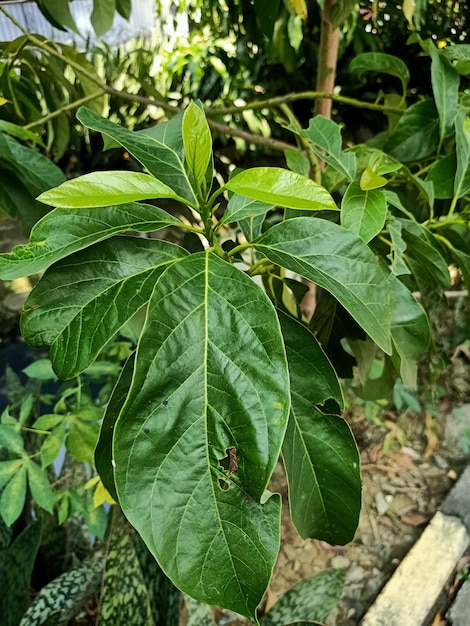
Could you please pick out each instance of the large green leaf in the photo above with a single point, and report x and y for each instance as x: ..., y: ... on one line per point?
x: 363, y: 212
x: 325, y: 137
x: 124, y: 597
x: 102, y: 16
x: 163, y: 160
x: 310, y: 600
x: 197, y: 143
x: 340, y: 262
x: 62, y: 599
x: 283, y: 188
x: 380, y: 62
x: 320, y: 454
x: 102, y: 287
x: 416, y: 136
x: 100, y: 189
x: 200, y: 433
x: 62, y: 232
x: 17, y: 562
x: 423, y: 253
x: 462, y: 138
x: 445, y: 85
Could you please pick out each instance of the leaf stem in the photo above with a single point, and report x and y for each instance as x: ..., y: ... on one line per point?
x: 241, y: 248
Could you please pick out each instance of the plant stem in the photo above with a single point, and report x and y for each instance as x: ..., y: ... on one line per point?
x: 67, y: 107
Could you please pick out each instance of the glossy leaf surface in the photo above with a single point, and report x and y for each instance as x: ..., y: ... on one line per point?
x: 320, y: 454
x: 382, y: 63
x: 102, y: 288
x: 363, y: 212
x: 197, y: 143
x: 338, y: 261
x: 326, y: 135
x: 100, y: 189
x: 416, y: 136
x: 163, y: 160
x: 283, y: 188
x: 241, y: 207
x: 200, y: 433
x: 62, y: 232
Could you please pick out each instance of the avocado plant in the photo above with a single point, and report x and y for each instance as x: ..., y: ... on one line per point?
x: 226, y: 375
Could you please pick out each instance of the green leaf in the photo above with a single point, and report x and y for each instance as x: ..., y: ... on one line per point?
x: 11, y: 439
x: 40, y: 487
x: 100, y: 189
x: 311, y: 599
x: 52, y: 445
x: 124, y: 597
x: 123, y: 7
x: 18, y: 202
x: 297, y: 162
x: 161, y: 154
x: 15, y: 574
x: 325, y: 137
x: 371, y: 180
x: 252, y: 227
x: 20, y: 132
x: 8, y: 469
x: 102, y: 16
x: 62, y: 232
x: 13, y: 497
x: 442, y: 174
x: 399, y: 267
x: 210, y: 384
x: 241, y: 207
x: 462, y: 138
x: 423, y: 249
x: 197, y: 143
x: 199, y: 613
x: 283, y: 188
x: 103, y: 450
x: 382, y: 63
x: 40, y: 370
x: 60, y: 12
x: 416, y: 136
x: 363, y: 212
x: 410, y: 330
x: 82, y: 439
x: 320, y: 454
x: 445, y: 85
x: 340, y: 262
x: 63, y: 598
x: 103, y: 286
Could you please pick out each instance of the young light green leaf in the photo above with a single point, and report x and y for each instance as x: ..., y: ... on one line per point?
x: 52, y: 445
x: 311, y: 600
x: 66, y: 595
x: 363, y: 212
x: 100, y: 189
x: 122, y: 573
x: 371, y: 180
x: 274, y: 185
x: 40, y: 370
x: 325, y: 137
x: 241, y: 207
x: 40, y: 487
x: 11, y: 439
x: 82, y: 439
x: 210, y: 390
x: 320, y: 454
x: 340, y: 262
x: 380, y: 62
x: 13, y: 498
x: 416, y: 136
x: 297, y: 162
x: 8, y: 469
x: 445, y: 85
x: 103, y: 286
x: 161, y: 153
x: 20, y: 132
x: 62, y: 232
x: 462, y: 138
x: 197, y: 142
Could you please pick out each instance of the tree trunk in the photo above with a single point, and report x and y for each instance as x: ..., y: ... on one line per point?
x: 327, y: 60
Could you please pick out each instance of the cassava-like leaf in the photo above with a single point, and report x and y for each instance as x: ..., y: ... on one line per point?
x: 199, y: 613
x: 320, y: 454
x: 326, y: 135
x: 62, y: 232
x: 100, y: 189
x: 200, y: 432
x: 124, y: 597
x: 103, y: 287
x: 363, y: 212
x: 340, y: 262
x: 310, y: 600
x: 274, y: 185
x: 13, y: 497
x: 63, y: 598
x: 163, y: 160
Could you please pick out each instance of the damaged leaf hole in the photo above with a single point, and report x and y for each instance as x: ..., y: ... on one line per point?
x: 229, y: 465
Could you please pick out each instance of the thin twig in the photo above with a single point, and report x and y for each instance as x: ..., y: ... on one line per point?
x: 68, y: 107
